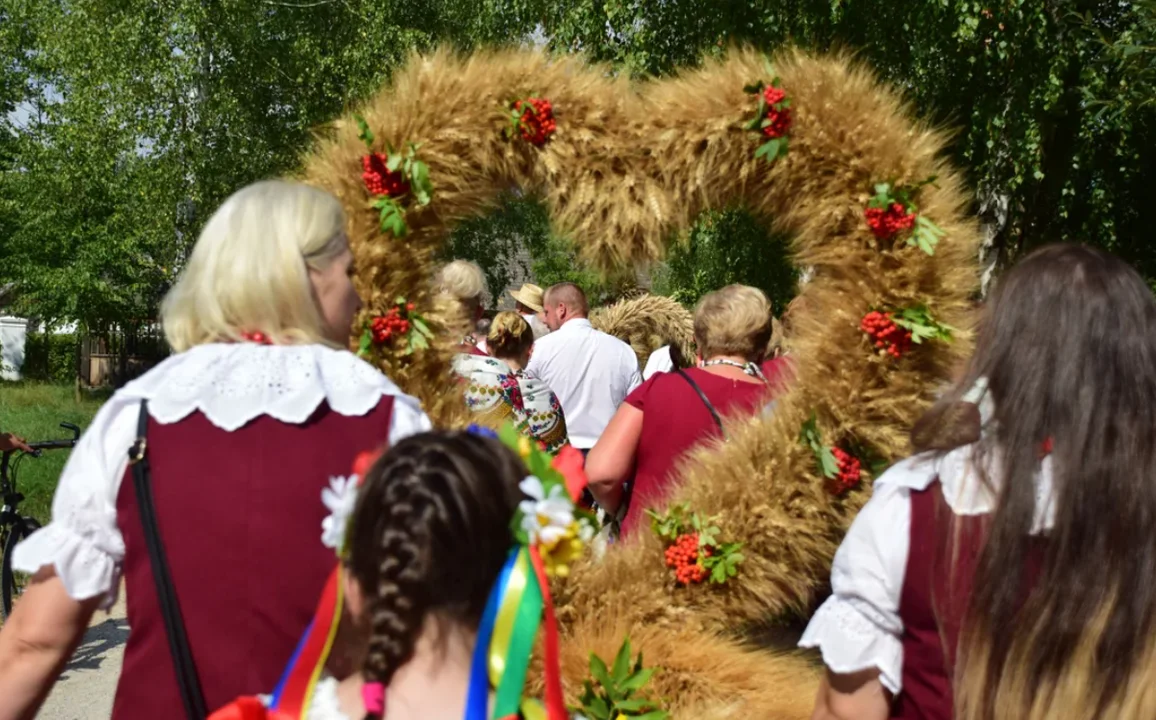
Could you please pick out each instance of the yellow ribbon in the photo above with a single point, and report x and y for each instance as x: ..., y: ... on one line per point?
x: 507, y: 615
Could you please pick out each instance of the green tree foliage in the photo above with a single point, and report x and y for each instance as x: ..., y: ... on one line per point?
x: 122, y: 125
x: 139, y: 118
x: 726, y: 247
x: 517, y: 239
x: 1050, y: 101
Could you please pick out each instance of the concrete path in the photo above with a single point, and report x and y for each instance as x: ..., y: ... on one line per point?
x: 86, y: 688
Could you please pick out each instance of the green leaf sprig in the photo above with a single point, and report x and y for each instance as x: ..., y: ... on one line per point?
x: 392, y: 208
x: 417, y: 337
x: 918, y: 321
x: 616, y: 690
x: 925, y: 234
x: 723, y: 559
x: 777, y: 145
x: 812, y: 438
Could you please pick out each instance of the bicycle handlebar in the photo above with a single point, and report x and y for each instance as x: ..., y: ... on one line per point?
x: 37, y: 447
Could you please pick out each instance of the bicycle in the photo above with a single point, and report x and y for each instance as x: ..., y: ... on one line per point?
x: 14, y: 527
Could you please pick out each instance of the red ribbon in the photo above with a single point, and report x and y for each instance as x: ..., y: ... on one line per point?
x: 570, y: 463
x: 555, y: 704
x: 363, y: 462
x: 297, y: 684
x: 247, y: 708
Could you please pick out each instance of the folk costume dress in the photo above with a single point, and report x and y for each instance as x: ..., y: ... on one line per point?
x: 898, y: 599
x: 498, y: 393
x: 241, y: 440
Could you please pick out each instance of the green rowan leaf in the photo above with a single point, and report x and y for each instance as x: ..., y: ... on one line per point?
x: 420, y: 326
x: 364, y: 133
x: 769, y: 150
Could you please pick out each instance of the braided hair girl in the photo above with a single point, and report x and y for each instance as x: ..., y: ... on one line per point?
x: 429, y: 536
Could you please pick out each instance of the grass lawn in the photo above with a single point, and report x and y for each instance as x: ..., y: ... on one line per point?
x: 34, y: 411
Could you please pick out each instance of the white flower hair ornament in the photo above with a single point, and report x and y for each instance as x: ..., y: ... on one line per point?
x: 340, y: 498
x: 549, y: 518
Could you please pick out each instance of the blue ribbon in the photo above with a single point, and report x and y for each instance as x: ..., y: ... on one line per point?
x: 481, y: 431
x: 292, y: 663
x: 478, y: 697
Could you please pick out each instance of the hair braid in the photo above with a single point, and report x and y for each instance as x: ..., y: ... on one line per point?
x: 398, y: 604
x: 430, y: 534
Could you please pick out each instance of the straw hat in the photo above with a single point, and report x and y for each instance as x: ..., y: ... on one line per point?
x: 531, y: 296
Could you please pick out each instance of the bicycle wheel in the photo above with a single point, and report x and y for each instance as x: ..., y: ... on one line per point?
x: 12, y: 583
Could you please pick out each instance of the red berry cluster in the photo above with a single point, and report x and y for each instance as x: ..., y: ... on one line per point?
x: 537, y: 122
x: 780, y: 119
x: 683, y: 557
x: 394, y: 323
x: 849, y: 471
x: 885, y: 334
x: 379, y: 179
x: 888, y: 222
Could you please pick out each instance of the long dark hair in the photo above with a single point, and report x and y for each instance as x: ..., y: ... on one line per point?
x: 1067, y: 345
x: 430, y: 534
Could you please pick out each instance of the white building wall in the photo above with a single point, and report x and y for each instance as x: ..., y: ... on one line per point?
x: 13, y: 331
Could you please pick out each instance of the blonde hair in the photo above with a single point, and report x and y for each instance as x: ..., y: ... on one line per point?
x: 249, y: 271
x: 510, y: 336
x: 733, y: 321
x: 463, y: 280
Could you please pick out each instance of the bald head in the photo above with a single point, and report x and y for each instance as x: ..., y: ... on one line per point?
x: 571, y: 296
x: 564, y: 301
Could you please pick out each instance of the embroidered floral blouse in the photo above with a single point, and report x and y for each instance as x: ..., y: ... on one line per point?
x: 499, y: 393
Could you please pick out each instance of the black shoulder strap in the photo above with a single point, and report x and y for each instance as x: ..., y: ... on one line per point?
x: 705, y: 401
x: 187, y: 681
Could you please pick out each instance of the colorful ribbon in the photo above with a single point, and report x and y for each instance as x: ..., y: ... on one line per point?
x: 505, y: 643
x: 295, y: 690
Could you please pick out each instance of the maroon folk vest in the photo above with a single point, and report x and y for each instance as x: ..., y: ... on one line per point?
x: 240, y: 518
x: 934, y: 598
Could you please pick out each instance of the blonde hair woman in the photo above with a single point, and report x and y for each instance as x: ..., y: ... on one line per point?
x: 258, y: 407
x: 499, y: 390
x: 463, y: 281
x: 672, y: 412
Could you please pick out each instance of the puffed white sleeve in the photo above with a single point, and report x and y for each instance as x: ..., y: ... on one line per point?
x: 83, y: 542
x: 407, y: 419
x: 858, y: 627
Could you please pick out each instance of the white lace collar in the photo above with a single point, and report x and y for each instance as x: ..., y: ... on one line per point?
x: 233, y: 383
x: 962, y: 488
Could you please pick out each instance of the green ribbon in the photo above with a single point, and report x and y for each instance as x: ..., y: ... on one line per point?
x: 515, y: 629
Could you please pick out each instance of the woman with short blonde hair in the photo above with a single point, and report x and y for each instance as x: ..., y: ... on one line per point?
x: 463, y: 281
x: 735, y: 321
x: 229, y: 288
x: 671, y: 413
x: 242, y: 427
x: 499, y: 390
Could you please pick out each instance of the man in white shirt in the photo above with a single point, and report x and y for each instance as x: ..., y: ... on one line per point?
x: 590, y: 372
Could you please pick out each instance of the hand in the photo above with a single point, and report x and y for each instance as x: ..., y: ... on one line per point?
x: 8, y: 441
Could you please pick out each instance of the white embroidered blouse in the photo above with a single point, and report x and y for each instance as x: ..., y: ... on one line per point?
x: 230, y: 384
x: 859, y: 627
